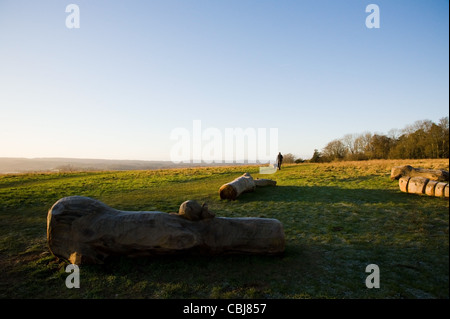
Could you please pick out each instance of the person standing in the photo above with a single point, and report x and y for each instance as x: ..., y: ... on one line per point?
x: 279, y: 160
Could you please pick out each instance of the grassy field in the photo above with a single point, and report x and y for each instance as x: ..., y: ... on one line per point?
x: 338, y: 218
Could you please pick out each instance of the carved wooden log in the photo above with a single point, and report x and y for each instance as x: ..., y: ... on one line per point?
x: 84, y: 230
x: 416, y: 185
x: 403, y: 183
x: 429, y: 189
x: 242, y: 184
x: 439, y: 190
x: 431, y: 174
x: 422, y: 185
x: 192, y: 210
x: 264, y: 182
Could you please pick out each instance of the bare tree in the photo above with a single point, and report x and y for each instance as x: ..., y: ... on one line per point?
x: 288, y: 158
x: 444, y: 145
x: 361, y: 144
x: 347, y: 142
x: 335, y: 150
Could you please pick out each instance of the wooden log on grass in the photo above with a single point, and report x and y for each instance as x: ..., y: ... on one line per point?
x: 243, y: 184
x: 84, y: 230
x: 422, y: 185
x: 403, y: 183
x: 429, y: 189
x: 439, y: 190
x: 407, y: 170
x: 416, y: 185
x: 264, y: 182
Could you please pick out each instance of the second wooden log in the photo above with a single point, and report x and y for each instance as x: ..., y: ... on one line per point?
x: 243, y: 184
x: 422, y: 185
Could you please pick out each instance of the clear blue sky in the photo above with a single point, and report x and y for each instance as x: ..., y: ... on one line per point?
x: 135, y: 70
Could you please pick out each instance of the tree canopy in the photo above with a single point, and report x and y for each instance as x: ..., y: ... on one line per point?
x: 423, y: 139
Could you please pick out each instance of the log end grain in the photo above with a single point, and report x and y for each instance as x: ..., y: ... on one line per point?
x: 227, y: 192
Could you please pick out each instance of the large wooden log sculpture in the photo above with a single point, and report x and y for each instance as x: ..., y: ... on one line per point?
x: 423, y: 185
x: 432, y: 174
x: 84, y: 230
x: 242, y: 184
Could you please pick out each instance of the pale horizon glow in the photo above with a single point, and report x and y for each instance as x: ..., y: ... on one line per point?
x: 116, y: 87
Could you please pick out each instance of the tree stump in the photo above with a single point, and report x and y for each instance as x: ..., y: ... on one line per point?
x: 243, y: 184
x: 84, y: 230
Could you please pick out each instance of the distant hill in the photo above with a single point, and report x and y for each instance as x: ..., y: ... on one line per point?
x: 9, y: 165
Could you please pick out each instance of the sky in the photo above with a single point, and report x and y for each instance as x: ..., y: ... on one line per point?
x: 134, y: 71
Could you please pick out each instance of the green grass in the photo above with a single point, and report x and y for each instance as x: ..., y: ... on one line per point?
x: 337, y: 217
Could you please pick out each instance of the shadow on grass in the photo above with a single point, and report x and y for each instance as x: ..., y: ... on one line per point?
x: 326, y: 194
x: 218, y: 276
x: 304, y: 271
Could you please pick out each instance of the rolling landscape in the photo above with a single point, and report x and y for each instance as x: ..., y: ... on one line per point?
x: 30, y: 165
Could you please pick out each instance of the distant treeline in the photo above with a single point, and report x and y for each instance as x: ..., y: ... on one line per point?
x: 423, y: 139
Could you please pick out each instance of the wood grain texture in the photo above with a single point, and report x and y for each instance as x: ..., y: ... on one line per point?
x: 84, y: 230
x: 407, y: 170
